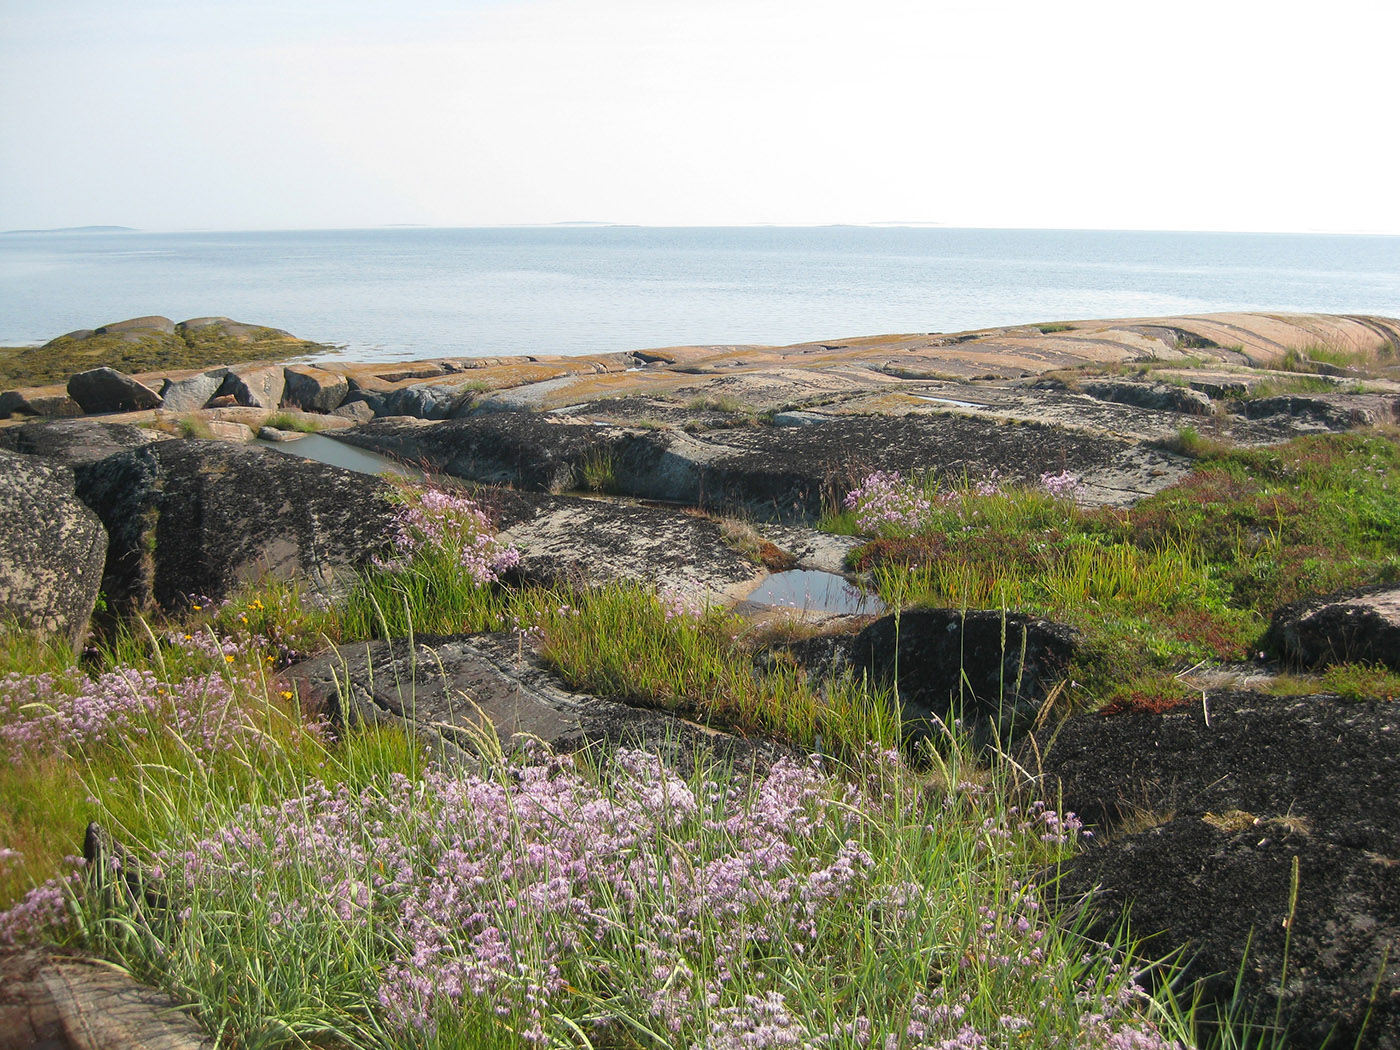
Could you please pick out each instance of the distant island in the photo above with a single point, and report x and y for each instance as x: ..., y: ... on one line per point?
x: 82, y: 229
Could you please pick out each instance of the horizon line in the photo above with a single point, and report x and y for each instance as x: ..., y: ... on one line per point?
x: 116, y: 230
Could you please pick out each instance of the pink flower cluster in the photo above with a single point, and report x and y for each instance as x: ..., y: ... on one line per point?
x: 69, y: 711
x: 433, y: 520
x: 538, y: 892
x: 884, y: 502
x: 1063, y: 485
x: 43, y: 910
x: 681, y: 603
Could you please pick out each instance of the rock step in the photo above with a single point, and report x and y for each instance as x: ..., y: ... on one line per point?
x: 49, y: 1002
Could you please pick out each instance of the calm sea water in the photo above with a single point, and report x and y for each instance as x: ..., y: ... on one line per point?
x: 393, y: 294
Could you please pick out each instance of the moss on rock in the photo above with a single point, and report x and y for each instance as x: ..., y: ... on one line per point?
x: 149, y: 344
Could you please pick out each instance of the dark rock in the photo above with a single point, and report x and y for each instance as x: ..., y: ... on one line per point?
x: 1160, y: 396
x: 451, y: 690
x: 423, y: 402
x: 1333, y: 411
x: 1231, y: 792
x: 193, y: 392
x: 1354, y: 627
x: 787, y: 473
x: 523, y: 450
x: 107, y: 390
x: 359, y: 411
x: 988, y: 671
x: 314, y: 389
x: 52, y: 549
x: 75, y: 441
x: 34, y: 403
x: 202, y: 517
x: 255, y: 386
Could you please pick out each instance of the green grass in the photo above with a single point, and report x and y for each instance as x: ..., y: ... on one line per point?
x: 725, y: 403
x: 1349, y: 681
x: 1191, y: 573
x: 598, y: 471
x: 297, y: 424
x: 619, y: 641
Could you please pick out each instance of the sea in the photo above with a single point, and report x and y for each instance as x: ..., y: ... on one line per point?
x: 401, y: 293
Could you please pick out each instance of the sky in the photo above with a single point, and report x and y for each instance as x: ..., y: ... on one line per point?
x: 1130, y: 114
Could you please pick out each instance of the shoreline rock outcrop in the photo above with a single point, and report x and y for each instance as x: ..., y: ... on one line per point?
x: 200, y: 517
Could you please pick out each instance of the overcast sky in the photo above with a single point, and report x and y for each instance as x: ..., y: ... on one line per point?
x: 1218, y: 115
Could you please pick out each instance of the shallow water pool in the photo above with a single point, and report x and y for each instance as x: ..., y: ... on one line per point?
x: 815, y: 591
x: 338, y: 454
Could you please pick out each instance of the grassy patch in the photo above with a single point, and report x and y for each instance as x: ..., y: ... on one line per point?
x: 598, y: 471
x: 626, y: 642
x: 1192, y: 573
x: 297, y: 424
x: 1349, y: 681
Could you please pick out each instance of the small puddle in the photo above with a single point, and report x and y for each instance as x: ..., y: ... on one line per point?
x: 815, y: 591
x: 338, y: 454
x: 949, y: 401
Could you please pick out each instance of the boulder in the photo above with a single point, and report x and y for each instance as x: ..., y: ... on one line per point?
x: 266, y: 433
x: 255, y: 386
x: 51, y: 999
x: 451, y: 690
x: 314, y: 389
x: 76, y: 441
x: 52, y: 549
x: 523, y: 450
x: 355, y: 411
x: 1354, y: 627
x: 104, y: 389
x: 1203, y: 816
x: 37, y: 403
x: 202, y: 517
x: 986, y: 672
x: 193, y: 392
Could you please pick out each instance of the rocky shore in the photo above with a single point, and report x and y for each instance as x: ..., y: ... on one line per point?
x: 1241, y: 819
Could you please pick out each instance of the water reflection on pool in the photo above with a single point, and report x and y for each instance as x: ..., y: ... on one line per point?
x: 338, y: 454
x: 815, y: 591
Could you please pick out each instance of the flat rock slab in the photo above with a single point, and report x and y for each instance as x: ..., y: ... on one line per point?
x: 588, y: 542
x: 49, y: 1002
x: 450, y: 690
x: 73, y: 442
x: 1232, y: 791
